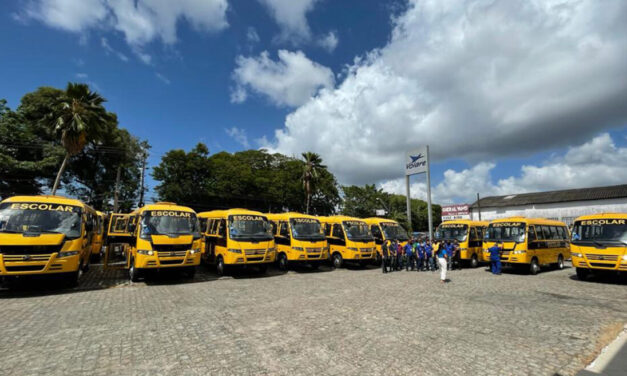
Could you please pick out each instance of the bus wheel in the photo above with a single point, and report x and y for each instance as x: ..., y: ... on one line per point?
x: 560, y: 262
x: 133, y: 273
x: 220, y: 268
x: 474, y: 262
x: 582, y: 273
x: 337, y: 260
x: 75, y: 276
x: 282, y: 261
x: 534, y: 268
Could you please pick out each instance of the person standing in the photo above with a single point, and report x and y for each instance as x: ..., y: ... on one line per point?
x: 430, y: 250
x: 393, y: 251
x: 449, y: 250
x: 418, y: 255
x: 409, y: 254
x: 385, y: 255
x: 443, y: 256
x: 399, y: 256
x: 495, y: 257
x: 457, y: 259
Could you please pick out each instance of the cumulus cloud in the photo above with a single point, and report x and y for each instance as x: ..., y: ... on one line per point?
x: 476, y: 80
x: 598, y: 162
x: 239, y: 135
x: 140, y: 21
x: 290, y: 81
x: 329, y: 42
x: 252, y: 36
x: 290, y: 15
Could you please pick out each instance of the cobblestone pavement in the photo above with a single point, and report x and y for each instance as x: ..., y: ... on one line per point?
x: 342, y: 322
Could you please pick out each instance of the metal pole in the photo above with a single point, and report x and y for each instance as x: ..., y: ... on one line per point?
x: 478, y: 206
x: 429, y: 196
x: 408, y: 204
x: 141, y: 192
x: 117, y: 190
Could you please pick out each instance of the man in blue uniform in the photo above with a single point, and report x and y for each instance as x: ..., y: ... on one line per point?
x: 495, y: 257
x: 409, y: 255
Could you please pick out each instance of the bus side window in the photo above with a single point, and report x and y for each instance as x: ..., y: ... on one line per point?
x: 560, y: 233
x: 222, y: 228
x: 473, y: 233
x: 202, y: 222
x: 337, y: 231
x: 546, y: 232
x: 274, y: 227
x: 376, y: 232
x: 327, y: 229
x: 532, y: 234
x: 284, y: 230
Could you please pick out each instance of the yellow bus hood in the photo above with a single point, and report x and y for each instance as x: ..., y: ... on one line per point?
x: 41, y: 239
x: 167, y: 240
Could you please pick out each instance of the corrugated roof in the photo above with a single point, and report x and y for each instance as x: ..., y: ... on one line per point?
x: 581, y: 194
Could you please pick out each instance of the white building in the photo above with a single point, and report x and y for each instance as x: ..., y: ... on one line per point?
x: 563, y: 205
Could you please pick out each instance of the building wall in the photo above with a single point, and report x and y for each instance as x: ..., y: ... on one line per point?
x: 563, y: 211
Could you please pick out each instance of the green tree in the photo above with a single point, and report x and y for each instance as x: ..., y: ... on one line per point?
x: 313, y: 164
x: 78, y: 116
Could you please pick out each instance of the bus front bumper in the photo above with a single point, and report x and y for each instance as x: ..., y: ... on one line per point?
x: 163, y: 261
x: 13, y: 265
x: 600, y: 262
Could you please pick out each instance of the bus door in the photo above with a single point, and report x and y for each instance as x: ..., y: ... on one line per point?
x: 475, y: 242
x: 215, y: 236
x: 119, y: 238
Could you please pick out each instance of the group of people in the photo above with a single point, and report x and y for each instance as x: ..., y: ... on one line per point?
x: 420, y: 255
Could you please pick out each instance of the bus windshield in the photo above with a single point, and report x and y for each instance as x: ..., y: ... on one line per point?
x: 306, y: 229
x: 169, y: 222
x: 40, y: 218
x: 452, y: 231
x: 247, y: 226
x: 604, y: 231
x: 394, y: 231
x: 506, y: 231
x: 357, y: 230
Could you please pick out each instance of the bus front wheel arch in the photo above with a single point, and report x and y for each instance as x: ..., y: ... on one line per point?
x: 474, y: 261
x: 282, y: 261
x: 220, y: 267
x: 133, y: 273
x: 534, y: 267
x: 560, y: 262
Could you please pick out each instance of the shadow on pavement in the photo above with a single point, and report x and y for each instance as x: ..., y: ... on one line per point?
x: 603, y: 277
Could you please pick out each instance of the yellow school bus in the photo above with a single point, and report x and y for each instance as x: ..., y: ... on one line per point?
x: 45, y: 235
x: 163, y: 235
x: 236, y: 237
x: 385, y: 229
x: 98, y: 235
x: 349, y: 240
x: 298, y: 238
x: 469, y: 234
x: 529, y: 242
x: 599, y: 243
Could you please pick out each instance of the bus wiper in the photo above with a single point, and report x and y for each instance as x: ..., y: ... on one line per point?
x: 598, y: 244
x: 11, y: 231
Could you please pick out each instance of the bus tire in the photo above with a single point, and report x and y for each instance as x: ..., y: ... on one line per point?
x: 337, y: 260
x: 560, y: 262
x: 73, y: 277
x: 534, y: 267
x: 133, y: 273
x: 282, y: 262
x: 263, y: 268
x: 582, y: 273
x: 220, y: 267
x: 474, y: 262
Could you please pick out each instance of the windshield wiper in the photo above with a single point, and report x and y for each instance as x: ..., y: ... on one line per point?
x: 11, y: 231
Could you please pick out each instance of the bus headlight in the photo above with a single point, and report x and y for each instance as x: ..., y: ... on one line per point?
x: 194, y: 251
x: 299, y: 249
x: 576, y: 254
x: 624, y: 257
x: 67, y: 254
x: 233, y: 250
x: 146, y: 252
x: 519, y: 252
x: 352, y: 249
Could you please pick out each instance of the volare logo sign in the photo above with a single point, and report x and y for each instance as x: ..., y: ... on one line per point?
x: 416, y: 161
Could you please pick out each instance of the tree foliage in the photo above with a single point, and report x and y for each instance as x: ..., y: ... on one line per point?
x: 363, y: 201
x: 253, y: 179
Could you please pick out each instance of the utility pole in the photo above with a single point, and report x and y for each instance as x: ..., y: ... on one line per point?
x: 141, y: 192
x: 478, y: 206
x: 117, y: 190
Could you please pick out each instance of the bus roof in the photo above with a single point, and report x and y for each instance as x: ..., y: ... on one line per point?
x: 378, y: 220
x: 466, y: 222
x: 228, y: 212
x: 48, y: 199
x: 338, y: 219
x: 278, y: 216
x: 164, y: 206
x: 530, y: 221
x: 603, y: 216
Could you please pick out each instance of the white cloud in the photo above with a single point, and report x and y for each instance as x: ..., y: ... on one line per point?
x: 598, y: 162
x: 290, y: 15
x: 163, y: 78
x: 140, y: 21
x: 81, y: 76
x: 239, y: 135
x: 110, y: 50
x: 329, y: 42
x: 290, y: 81
x: 252, y: 36
x: 476, y: 80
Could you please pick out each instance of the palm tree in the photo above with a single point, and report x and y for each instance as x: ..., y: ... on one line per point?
x: 313, y: 163
x: 77, y: 118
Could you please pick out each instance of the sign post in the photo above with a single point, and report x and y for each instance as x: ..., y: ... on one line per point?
x: 417, y: 162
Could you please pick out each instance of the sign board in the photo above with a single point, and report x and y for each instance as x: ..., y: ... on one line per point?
x: 380, y: 212
x: 416, y: 161
x: 460, y: 211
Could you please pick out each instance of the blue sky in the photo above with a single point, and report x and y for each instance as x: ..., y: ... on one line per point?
x: 359, y: 82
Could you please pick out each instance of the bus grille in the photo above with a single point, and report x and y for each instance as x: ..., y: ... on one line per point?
x: 255, y: 252
x: 170, y: 262
x: 22, y: 258
x: 505, y: 253
x: 30, y: 249
x: 600, y: 265
x: 591, y: 256
x: 172, y: 254
x: 171, y: 247
x: 366, y: 250
x: 25, y: 268
x: 314, y: 250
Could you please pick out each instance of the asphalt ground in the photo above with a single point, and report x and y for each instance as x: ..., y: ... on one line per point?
x: 350, y: 321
